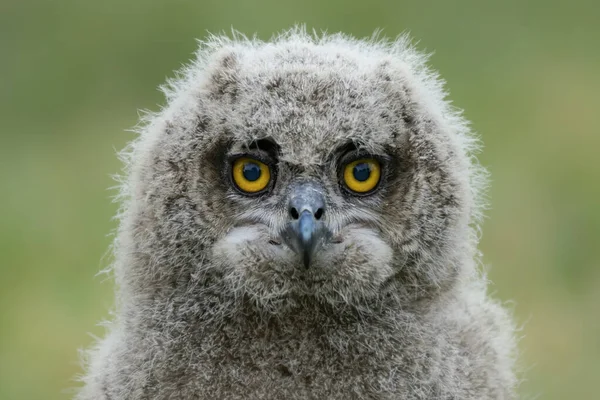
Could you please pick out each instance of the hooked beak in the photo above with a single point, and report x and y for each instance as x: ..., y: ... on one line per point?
x: 306, y: 232
x: 308, y: 236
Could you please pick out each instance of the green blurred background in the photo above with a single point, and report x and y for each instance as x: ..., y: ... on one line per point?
x: 73, y: 74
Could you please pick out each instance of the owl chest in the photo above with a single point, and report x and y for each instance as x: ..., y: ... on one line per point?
x: 305, y: 367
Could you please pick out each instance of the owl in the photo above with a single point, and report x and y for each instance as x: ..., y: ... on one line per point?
x: 300, y: 221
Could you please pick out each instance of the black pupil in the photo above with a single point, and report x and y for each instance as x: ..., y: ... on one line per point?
x: 251, y: 171
x: 361, y: 172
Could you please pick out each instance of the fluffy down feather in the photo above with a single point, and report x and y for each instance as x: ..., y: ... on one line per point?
x: 210, y: 307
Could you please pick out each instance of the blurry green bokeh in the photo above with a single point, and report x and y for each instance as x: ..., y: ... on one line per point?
x: 73, y: 74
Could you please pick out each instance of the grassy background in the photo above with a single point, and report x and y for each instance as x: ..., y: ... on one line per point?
x: 74, y: 72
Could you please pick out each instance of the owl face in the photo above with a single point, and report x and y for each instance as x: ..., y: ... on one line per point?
x: 303, y: 171
x: 305, y: 229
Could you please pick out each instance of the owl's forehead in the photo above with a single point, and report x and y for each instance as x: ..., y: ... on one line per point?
x: 310, y: 106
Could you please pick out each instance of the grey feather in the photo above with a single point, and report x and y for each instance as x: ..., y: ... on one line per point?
x: 212, y: 305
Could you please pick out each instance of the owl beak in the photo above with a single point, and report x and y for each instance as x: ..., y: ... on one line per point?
x: 306, y: 232
x: 307, y: 235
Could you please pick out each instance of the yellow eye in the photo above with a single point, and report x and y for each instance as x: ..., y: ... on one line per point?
x: 362, y: 176
x: 250, y: 175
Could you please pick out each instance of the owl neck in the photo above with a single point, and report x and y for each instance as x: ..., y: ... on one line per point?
x: 196, y: 302
x: 212, y: 309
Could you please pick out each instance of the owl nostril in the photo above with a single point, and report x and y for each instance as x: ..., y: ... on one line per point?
x: 294, y: 213
x: 319, y: 213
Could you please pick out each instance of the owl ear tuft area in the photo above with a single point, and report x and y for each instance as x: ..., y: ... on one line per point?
x: 223, y: 76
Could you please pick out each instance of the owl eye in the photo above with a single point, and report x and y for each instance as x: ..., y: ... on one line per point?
x: 250, y: 175
x: 362, y: 176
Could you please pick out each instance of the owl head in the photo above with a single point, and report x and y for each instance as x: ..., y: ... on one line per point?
x: 304, y: 169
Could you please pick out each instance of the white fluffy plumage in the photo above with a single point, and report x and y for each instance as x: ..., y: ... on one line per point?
x: 214, y: 297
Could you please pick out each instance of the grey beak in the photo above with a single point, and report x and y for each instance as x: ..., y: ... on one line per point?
x: 307, y: 235
x: 306, y: 232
